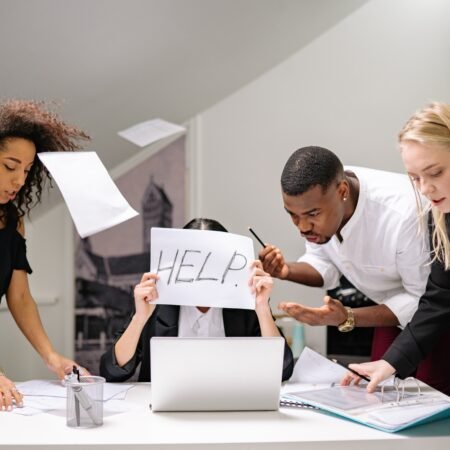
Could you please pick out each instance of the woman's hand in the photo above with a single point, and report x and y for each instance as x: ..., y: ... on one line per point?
x: 261, y: 284
x: 63, y: 366
x: 377, y: 371
x: 9, y: 394
x: 144, y: 294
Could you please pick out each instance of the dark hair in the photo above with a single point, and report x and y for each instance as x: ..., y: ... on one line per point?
x: 34, y: 122
x: 205, y: 224
x: 308, y: 167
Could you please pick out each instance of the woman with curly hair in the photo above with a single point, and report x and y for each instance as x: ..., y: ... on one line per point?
x: 26, y: 128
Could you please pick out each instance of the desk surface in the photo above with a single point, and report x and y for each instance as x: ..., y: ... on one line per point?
x: 140, y: 428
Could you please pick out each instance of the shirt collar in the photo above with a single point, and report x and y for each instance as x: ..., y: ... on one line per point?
x: 193, y: 315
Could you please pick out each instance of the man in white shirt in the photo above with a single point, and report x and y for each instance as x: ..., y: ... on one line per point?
x: 360, y: 223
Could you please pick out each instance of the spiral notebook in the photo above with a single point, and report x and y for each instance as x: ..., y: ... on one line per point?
x: 402, y: 405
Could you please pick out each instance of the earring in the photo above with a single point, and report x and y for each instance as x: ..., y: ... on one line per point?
x: 345, y: 199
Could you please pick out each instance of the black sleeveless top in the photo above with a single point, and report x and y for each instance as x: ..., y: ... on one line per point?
x: 13, y: 254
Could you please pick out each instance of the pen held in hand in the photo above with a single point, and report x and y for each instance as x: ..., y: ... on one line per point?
x: 257, y: 237
x: 351, y: 370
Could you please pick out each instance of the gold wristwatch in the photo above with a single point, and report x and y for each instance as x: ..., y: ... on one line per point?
x: 348, y: 324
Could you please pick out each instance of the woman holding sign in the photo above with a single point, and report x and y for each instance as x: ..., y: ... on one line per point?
x: 26, y: 128
x: 133, y: 345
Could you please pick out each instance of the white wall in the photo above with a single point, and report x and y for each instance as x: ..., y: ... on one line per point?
x: 350, y: 90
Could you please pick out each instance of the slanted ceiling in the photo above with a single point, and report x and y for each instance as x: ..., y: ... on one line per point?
x: 113, y: 63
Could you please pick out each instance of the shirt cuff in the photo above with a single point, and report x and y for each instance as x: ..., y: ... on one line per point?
x: 330, y: 274
x: 404, y: 306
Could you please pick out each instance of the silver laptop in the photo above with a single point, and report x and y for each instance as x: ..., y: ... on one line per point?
x: 216, y: 374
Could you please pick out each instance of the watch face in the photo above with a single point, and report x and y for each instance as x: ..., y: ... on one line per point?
x: 346, y: 327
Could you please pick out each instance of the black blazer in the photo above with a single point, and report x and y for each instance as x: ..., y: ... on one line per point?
x: 428, y: 324
x: 164, y: 322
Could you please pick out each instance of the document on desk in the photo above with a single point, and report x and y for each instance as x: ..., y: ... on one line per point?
x: 94, y: 201
x: 49, y: 395
x: 313, y: 368
x: 381, y: 411
x: 38, y: 405
x: 54, y: 388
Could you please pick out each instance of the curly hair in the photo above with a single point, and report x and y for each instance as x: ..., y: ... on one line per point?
x: 35, y: 122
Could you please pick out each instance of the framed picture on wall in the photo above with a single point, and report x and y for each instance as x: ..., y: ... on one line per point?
x: 109, y: 264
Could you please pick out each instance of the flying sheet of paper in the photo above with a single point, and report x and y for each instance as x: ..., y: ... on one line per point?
x: 54, y: 388
x: 202, y: 268
x: 145, y: 133
x: 94, y: 201
x: 314, y: 368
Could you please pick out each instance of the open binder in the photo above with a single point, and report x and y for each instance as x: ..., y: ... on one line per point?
x: 405, y: 404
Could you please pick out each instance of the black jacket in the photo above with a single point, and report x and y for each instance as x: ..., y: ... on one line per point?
x: 164, y: 322
x: 428, y: 324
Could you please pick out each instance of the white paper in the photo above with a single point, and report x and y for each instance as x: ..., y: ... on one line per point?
x: 35, y: 405
x: 379, y: 410
x: 405, y: 414
x: 54, y: 388
x: 145, y: 133
x: 202, y: 268
x: 94, y: 201
x: 314, y: 368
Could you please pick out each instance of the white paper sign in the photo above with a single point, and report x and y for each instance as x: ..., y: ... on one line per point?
x: 94, y: 201
x: 202, y: 268
x: 145, y: 133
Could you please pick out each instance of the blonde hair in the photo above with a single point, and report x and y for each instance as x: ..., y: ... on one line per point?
x: 431, y: 126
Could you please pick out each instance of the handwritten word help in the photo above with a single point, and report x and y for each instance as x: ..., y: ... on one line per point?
x: 199, y: 266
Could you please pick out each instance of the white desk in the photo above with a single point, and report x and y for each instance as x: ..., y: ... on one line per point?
x: 139, y: 428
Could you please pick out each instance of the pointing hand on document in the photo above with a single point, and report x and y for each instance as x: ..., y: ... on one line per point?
x: 377, y: 371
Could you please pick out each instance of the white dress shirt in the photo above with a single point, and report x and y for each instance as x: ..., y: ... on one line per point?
x: 382, y: 254
x: 193, y: 323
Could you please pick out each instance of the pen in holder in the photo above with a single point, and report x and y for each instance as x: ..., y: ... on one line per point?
x: 85, y: 401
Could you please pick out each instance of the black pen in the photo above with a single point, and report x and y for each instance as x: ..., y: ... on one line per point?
x: 257, y: 237
x: 76, y: 371
x: 351, y: 370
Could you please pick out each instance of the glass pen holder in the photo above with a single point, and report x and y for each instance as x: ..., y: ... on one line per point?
x: 84, y: 408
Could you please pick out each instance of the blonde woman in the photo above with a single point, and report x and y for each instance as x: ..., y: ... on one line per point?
x: 425, y: 151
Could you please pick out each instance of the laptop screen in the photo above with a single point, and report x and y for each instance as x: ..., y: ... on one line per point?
x: 216, y: 374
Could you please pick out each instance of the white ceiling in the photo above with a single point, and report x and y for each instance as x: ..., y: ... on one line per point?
x: 113, y: 63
